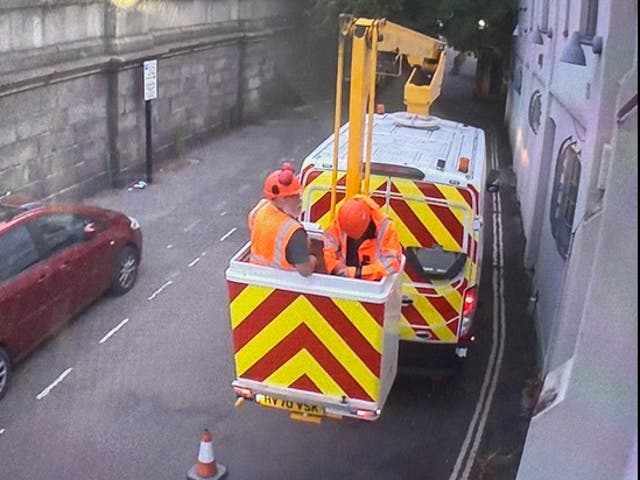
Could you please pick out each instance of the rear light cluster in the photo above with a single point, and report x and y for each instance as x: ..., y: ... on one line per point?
x: 367, y: 414
x: 470, y: 301
x: 243, y: 392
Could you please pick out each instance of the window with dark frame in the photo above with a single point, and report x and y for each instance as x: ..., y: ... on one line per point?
x: 17, y: 252
x: 532, y: 16
x: 564, y: 195
x: 590, y: 24
x: 516, y: 75
x: 61, y: 230
x: 544, y: 20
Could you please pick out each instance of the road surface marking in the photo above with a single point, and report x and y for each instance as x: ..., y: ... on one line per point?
x: 186, y: 229
x: 155, y: 294
x: 228, y: 234
x: 194, y: 261
x: 47, y: 390
x: 492, y: 373
x: 113, y: 330
x: 498, y: 312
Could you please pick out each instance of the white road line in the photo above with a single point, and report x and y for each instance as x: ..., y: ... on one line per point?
x: 155, y: 294
x: 494, y: 149
x: 47, y: 390
x: 481, y: 399
x: 498, y: 310
x: 186, y: 229
x: 228, y: 234
x: 194, y: 261
x: 497, y: 346
x: 113, y: 330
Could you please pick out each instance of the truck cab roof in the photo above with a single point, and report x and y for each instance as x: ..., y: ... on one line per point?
x: 424, y: 148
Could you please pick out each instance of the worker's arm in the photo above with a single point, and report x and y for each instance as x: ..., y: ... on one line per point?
x: 333, y: 259
x: 307, y: 268
x: 388, y: 262
x: 298, y: 255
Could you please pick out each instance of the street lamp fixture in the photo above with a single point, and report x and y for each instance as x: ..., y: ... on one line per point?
x: 535, y: 36
x: 573, y: 52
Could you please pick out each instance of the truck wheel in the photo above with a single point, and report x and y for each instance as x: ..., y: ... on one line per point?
x: 126, y: 271
x: 5, y: 372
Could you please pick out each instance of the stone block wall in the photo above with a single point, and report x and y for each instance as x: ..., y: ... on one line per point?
x: 72, y: 110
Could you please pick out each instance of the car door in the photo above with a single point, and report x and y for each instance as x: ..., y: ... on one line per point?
x: 99, y: 254
x: 27, y: 307
x: 73, y: 256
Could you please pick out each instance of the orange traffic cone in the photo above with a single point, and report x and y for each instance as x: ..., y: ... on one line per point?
x: 206, y: 467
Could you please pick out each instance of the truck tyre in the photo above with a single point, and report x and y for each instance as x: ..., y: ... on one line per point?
x: 5, y: 372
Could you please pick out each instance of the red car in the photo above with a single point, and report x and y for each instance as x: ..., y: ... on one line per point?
x: 55, y: 261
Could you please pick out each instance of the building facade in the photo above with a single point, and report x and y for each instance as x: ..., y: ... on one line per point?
x: 572, y: 120
x: 72, y: 106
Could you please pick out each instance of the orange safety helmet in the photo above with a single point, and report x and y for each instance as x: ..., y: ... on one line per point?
x: 282, y: 183
x: 354, y: 217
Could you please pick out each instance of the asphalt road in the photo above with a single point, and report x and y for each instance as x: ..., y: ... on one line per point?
x: 134, y: 405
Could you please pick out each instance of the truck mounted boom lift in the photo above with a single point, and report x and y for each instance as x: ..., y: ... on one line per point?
x: 424, y: 54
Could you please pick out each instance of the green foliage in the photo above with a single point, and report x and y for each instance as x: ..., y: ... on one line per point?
x: 322, y: 15
x: 456, y: 20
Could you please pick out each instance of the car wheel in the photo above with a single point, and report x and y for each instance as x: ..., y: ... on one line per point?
x: 5, y: 372
x: 126, y: 271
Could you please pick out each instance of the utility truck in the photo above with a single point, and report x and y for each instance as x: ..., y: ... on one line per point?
x: 325, y: 345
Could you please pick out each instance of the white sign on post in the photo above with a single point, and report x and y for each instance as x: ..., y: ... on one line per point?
x: 150, y: 68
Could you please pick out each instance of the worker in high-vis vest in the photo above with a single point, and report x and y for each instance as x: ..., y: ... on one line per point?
x: 278, y: 239
x: 361, y: 241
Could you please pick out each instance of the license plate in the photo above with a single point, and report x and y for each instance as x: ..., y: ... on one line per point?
x: 289, y: 405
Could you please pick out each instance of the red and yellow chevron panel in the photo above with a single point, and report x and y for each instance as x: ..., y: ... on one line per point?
x: 425, y: 214
x: 318, y: 344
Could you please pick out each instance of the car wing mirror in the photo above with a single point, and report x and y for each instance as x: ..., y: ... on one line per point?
x: 493, y: 181
x: 89, y: 231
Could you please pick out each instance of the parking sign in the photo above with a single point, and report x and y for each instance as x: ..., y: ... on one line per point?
x: 150, y: 68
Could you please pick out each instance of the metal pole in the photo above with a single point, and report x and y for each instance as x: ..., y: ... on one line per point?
x: 372, y: 94
x: 345, y: 25
x: 147, y: 115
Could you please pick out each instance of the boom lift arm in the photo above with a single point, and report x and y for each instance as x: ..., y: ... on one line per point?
x: 425, y: 55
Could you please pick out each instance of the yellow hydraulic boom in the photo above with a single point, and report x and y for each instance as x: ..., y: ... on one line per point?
x: 425, y: 55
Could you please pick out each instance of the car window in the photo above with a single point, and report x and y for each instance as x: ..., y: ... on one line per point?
x: 60, y: 230
x: 17, y: 252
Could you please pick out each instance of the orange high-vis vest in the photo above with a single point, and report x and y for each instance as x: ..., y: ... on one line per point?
x: 271, y: 229
x: 384, y: 251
